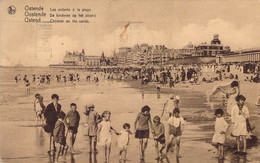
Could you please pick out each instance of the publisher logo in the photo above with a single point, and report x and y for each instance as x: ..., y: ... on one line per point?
x: 11, y: 10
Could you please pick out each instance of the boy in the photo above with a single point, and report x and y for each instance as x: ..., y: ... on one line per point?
x: 158, y: 135
x: 51, y: 116
x: 59, y: 134
x: 72, y: 123
x: 176, y: 126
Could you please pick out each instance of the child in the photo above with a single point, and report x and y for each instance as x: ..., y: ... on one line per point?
x: 59, y: 134
x: 239, y: 117
x: 51, y: 116
x: 27, y: 84
x: 38, y: 107
x: 123, y: 140
x: 142, y: 124
x: 72, y: 122
x: 220, y: 130
x: 176, y: 126
x: 170, y: 104
x: 105, y: 134
x: 158, y: 135
x: 93, y: 119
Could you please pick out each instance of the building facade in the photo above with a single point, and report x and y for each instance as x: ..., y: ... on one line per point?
x: 211, y: 50
x: 74, y: 58
x: 92, y: 61
x: 245, y: 55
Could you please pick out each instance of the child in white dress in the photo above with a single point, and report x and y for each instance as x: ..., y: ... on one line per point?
x: 123, y: 140
x: 220, y: 130
x: 239, y: 117
x: 105, y: 134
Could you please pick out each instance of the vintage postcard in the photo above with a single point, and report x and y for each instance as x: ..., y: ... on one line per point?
x: 133, y: 81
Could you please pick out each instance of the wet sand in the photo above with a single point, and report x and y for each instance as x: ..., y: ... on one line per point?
x: 21, y: 141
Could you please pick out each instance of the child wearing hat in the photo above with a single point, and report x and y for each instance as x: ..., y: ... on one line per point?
x: 159, y: 137
x: 93, y: 118
x: 169, y: 105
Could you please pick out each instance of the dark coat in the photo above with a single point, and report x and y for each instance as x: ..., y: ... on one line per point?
x: 51, y: 114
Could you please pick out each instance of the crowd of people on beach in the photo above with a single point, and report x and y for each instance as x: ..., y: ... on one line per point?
x: 98, y: 127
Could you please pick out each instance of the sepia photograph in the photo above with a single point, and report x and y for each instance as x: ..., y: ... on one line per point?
x: 129, y: 81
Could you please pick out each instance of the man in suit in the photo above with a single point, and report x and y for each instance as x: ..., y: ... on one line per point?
x: 51, y: 116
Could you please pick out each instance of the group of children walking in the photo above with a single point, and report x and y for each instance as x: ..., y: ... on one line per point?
x: 99, y: 130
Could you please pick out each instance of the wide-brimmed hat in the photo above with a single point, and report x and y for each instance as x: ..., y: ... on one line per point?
x: 171, y: 96
x: 177, y: 97
x: 90, y: 106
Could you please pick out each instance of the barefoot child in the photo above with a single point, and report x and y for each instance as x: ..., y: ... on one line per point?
x: 142, y: 124
x: 93, y: 119
x: 176, y: 126
x: 239, y: 118
x: 72, y: 123
x: 220, y: 130
x: 170, y: 104
x: 105, y: 134
x: 51, y: 116
x: 159, y: 137
x: 123, y: 140
x: 59, y: 134
x: 38, y: 108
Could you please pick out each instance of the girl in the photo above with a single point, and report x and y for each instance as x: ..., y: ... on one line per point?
x: 38, y: 108
x: 176, y: 126
x: 123, y: 140
x: 142, y: 124
x: 105, y: 134
x: 93, y: 119
x: 220, y: 130
x: 239, y: 118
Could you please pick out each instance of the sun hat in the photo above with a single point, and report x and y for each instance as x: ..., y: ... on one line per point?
x: 171, y: 96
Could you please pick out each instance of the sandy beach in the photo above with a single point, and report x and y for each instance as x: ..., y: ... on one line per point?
x: 22, y: 141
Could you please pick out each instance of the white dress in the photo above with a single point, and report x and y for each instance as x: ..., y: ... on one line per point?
x: 105, y: 136
x: 171, y: 104
x: 220, y: 125
x: 232, y: 101
x: 123, y: 139
x: 239, y: 120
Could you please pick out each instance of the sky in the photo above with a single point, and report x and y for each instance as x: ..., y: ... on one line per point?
x: 173, y: 23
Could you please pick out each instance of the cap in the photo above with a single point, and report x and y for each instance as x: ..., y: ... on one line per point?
x: 177, y: 97
x: 171, y: 96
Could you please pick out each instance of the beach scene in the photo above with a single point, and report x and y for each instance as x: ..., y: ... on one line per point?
x: 114, y: 81
x: 24, y: 141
